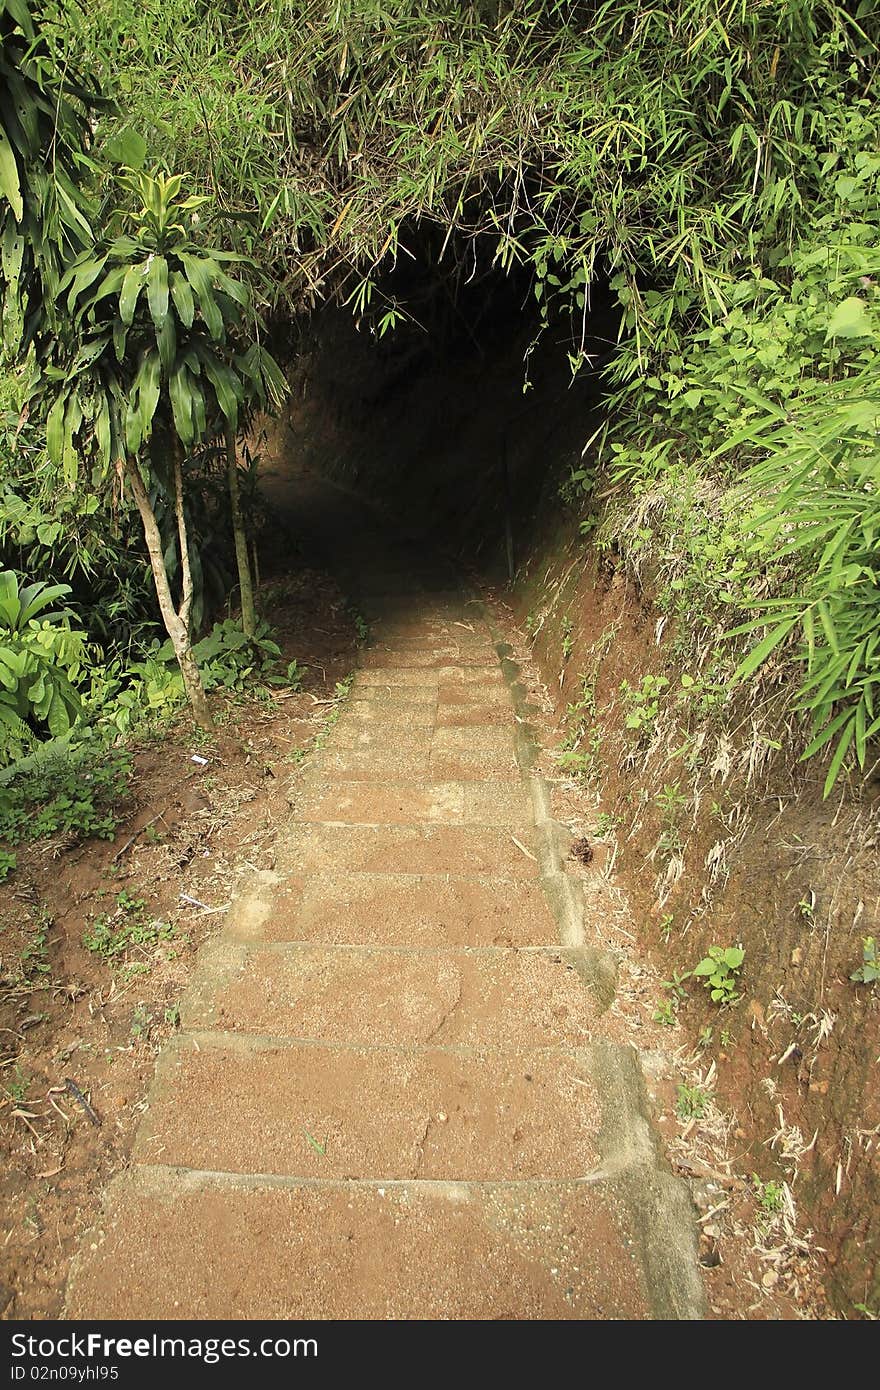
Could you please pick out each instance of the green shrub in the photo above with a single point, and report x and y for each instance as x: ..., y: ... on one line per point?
x: 41, y: 657
x: 229, y: 660
x: 64, y: 790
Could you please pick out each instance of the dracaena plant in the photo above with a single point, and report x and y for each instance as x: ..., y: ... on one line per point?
x: 165, y: 353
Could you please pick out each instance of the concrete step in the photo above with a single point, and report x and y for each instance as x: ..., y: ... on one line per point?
x: 402, y: 909
x: 394, y: 674
x: 368, y: 765
x: 489, y: 997
x: 408, y: 849
x: 406, y: 657
x: 178, y: 1245
x: 399, y: 635
x: 406, y: 803
x: 386, y: 739
x: 244, y: 1104
x: 386, y: 714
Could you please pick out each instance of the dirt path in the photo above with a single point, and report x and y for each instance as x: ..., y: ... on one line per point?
x: 394, y: 1094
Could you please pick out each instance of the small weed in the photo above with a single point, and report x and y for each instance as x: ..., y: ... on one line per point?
x: 868, y: 972
x: 172, y: 1015
x: 606, y: 824
x: 719, y: 970
x: 17, y: 1090
x: 691, y: 1103
x: 675, y: 986
x: 295, y: 675
x: 113, y: 936
x: 670, y: 803
x: 361, y: 626
x: 769, y: 1195
x: 666, y: 1013
x: 140, y: 1025
x: 35, y: 956
x: 7, y: 864
x: 567, y: 638
x: 807, y: 908
x: 665, y: 927
x: 642, y: 703
x: 706, y: 1036
x: 582, y: 762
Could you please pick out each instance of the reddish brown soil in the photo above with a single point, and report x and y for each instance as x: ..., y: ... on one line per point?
x: 800, y: 893
x: 187, y: 829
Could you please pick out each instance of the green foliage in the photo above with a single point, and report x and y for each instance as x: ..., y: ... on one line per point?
x: 769, y: 1195
x: 643, y: 703
x: 661, y: 144
x: 719, y: 971
x: 230, y: 660
x: 771, y: 539
x: 77, y: 791
x: 155, y: 316
x: 127, y: 932
x: 8, y: 863
x: 666, y: 1013
x: 295, y: 675
x: 868, y: 973
x: 35, y: 955
x: 44, y: 130
x: 691, y: 1103
x: 606, y: 824
x: 41, y: 657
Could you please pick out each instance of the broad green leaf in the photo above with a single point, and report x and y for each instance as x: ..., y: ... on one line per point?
x: 182, y: 296
x: 143, y: 401
x: 83, y: 274
x: 157, y: 290
x: 181, y: 393
x: 167, y: 340
x: 200, y: 271
x: 55, y: 430
x: 10, y: 187
x: 131, y: 288
x: 227, y: 386
x: 127, y: 146
x: 850, y: 320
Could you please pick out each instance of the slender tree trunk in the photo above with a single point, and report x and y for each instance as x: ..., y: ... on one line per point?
x: 175, y: 622
x: 186, y: 586
x: 245, y: 583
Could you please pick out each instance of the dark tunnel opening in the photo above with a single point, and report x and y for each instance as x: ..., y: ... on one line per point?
x: 457, y: 421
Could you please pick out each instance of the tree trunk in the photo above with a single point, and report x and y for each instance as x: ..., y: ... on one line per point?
x: 245, y: 583
x: 175, y: 622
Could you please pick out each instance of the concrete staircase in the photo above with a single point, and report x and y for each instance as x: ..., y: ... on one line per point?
x: 392, y: 1095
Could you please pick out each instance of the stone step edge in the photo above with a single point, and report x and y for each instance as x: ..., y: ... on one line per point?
x: 194, y: 1041
x: 664, y: 1216
x: 159, y: 1180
